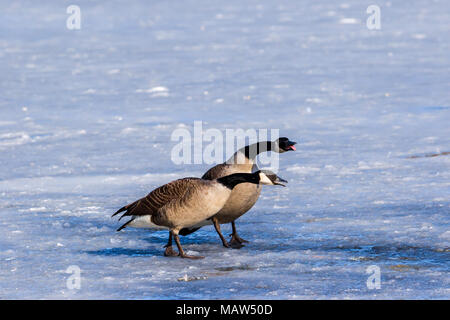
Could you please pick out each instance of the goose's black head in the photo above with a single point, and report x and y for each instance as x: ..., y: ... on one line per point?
x: 283, y: 144
x: 258, y: 177
x: 270, y: 178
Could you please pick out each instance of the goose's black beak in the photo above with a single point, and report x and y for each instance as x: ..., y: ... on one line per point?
x: 285, y: 144
x: 279, y: 181
x: 290, y: 145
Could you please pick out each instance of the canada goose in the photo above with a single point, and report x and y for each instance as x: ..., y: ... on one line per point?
x: 244, y: 196
x: 185, y: 202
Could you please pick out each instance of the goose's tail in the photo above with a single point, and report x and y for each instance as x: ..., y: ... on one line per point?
x: 140, y: 213
x: 125, y: 224
x: 128, y: 212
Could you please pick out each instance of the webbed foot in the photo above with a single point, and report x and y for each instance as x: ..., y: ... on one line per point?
x: 169, y: 252
x: 235, y: 244
x: 235, y: 237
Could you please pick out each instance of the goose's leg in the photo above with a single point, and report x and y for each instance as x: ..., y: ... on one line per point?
x: 217, y: 227
x: 180, y: 249
x: 169, y: 252
x: 235, y: 239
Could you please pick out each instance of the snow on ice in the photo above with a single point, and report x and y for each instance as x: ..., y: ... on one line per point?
x: 85, y: 124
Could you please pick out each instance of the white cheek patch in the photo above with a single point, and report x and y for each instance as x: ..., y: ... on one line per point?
x: 277, y: 148
x: 264, y: 180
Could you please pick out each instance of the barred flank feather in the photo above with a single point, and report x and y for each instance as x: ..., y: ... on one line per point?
x: 156, y: 199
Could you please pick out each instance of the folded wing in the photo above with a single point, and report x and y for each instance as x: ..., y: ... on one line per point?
x: 155, y: 200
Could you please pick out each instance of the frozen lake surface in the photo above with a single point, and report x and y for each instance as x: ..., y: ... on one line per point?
x: 86, y: 118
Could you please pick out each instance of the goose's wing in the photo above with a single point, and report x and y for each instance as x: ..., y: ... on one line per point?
x: 158, y: 198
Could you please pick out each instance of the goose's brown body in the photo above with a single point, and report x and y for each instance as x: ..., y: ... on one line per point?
x: 186, y: 202
x: 179, y: 204
x: 243, y: 197
x: 223, y: 194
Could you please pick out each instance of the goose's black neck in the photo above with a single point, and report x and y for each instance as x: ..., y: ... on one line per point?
x: 234, y: 179
x: 251, y: 151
